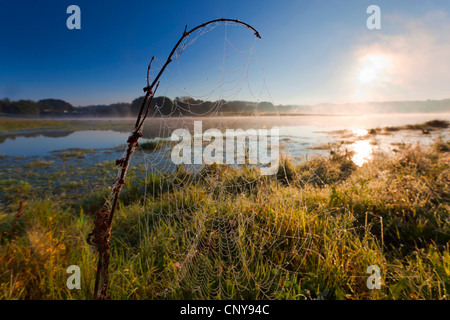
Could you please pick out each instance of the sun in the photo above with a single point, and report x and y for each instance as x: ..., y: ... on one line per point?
x: 373, y: 68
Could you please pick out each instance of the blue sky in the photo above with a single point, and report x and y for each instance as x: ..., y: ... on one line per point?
x: 311, y: 51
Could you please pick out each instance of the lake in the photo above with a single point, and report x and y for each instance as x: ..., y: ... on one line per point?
x: 300, y: 136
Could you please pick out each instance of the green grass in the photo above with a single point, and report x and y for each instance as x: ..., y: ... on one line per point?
x: 324, y: 221
x: 150, y: 146
x: 73, y: 153
x: 35, y: 164
x: 9, y: 125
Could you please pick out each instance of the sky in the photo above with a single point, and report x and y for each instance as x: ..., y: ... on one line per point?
x: 311, y: 51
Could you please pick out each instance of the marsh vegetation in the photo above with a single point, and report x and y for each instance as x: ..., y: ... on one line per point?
x: 324, y: 220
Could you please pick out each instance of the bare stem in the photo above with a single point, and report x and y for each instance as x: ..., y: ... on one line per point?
x: 100, y: 236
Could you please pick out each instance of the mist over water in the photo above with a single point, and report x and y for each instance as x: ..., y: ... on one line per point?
x: 298, y: 134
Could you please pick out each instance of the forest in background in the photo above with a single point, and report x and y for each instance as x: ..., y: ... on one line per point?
x: 187, y: 106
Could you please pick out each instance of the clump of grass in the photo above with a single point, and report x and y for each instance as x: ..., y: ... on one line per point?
x: 73, y: 153
x: 425, y: 127
x: 441, y: 146
x: 48, y: 240
x: 286, y: 170
x: 392, y: 129
x: 318, y: 171
x: 323, y: 146
x: 151, y: 146
x: 38, y: 163
x: 442, y: 124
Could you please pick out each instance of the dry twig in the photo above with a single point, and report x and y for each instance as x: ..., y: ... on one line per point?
x: 100, y: 236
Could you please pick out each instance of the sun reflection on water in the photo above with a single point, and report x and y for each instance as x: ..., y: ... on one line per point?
x: 359, y: 132
x: 362, y: 152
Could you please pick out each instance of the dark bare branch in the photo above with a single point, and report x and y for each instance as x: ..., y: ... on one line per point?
x: 100, y: 236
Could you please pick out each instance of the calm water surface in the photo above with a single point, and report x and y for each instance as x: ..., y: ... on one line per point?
x: 298, y: 134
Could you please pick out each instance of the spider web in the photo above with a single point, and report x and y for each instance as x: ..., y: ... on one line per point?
x: 217, y: 230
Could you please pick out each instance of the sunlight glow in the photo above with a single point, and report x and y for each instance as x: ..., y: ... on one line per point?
x: 359, y: 132
x: 363, y: 152
x: 373, y: 67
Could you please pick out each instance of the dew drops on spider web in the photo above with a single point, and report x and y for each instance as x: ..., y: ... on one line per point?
x: 212, y: 245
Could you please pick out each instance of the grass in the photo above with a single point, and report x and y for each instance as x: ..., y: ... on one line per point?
x: 73, y: 153
x: 324, y: 221
x: 9, y: 125
x: 35, y: 164
x: 425, y: 127
x: 150, y: 146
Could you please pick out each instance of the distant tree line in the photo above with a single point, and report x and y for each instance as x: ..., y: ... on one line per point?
x: 160, y: 106
x: 41, y: 107
x: 187, y: 106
